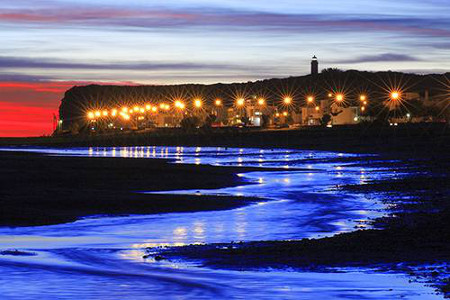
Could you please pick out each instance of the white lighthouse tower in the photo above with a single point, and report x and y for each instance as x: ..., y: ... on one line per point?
x: 314, y: 66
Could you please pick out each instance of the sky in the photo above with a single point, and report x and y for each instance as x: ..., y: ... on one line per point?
x: 47, y: 46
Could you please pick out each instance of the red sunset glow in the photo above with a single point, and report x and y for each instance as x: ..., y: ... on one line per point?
x: 26, y: 109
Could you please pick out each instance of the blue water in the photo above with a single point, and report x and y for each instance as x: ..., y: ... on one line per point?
x: 101, y: 257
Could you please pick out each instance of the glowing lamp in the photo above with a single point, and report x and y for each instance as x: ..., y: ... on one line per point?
x: 91, y: 115
x: 339, y: 97
x: 198, y: 103
x: 98, y: 113
x: 240, y: 102
x: 261, y: 101
x: 395, y: 95
x: 317, y: 108
x: 179, y: 104
x: 148, y: 107
x: 310, y: 99
x: 287, y: 100
x: 363, y: 97
x: 114, y: 112
x: 218, y: 102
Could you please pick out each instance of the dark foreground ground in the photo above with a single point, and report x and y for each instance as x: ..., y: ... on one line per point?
x: 38, y: 189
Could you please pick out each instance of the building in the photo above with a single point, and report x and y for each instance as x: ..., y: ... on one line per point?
x: 311, y: 115
x: 314, y: 66
x: 344, y: 115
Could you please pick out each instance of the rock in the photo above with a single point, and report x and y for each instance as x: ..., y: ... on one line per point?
x: 16, y: 252
x: 159, y: 258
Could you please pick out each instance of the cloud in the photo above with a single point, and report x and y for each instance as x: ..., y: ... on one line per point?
x: 10, y: 77
x: 33, y: 63
x: 385, y: 57
x: 225, y: 18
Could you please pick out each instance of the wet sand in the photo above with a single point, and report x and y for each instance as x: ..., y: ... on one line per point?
x: 38, y: 189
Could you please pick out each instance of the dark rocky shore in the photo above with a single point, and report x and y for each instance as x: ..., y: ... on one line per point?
x: 38, y: 189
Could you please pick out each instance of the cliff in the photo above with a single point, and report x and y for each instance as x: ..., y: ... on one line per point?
x: 79, y: 99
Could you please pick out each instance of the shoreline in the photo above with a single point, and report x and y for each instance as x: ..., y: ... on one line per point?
x: 405, y: 233
x: 404, y: 140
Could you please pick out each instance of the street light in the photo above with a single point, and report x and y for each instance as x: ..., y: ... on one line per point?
x: 198, y: 103
x: 310, y: 99
x: 98, y: 113
x: 179, y: 104
x: 240, y: 102
x: 91, y: 115
x: 340, y: 97
x: 395, y: 95
x: 363, y: 98
x: 114, y: 112
x: 218, y: 102
x: 164, y: 106
x: 287, y: 100
x: 261, y: 101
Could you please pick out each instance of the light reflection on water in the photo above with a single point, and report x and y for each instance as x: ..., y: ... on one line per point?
x: 76, y: 258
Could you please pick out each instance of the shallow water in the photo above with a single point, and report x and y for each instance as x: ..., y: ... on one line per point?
x: 101, y: 257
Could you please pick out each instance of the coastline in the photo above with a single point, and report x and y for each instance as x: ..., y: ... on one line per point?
x: 401, y: 238
x: 404, y: 140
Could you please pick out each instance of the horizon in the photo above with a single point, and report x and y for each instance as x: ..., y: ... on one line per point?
x: 53, y: 45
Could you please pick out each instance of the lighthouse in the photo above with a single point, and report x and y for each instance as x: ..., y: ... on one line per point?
x: 314, y: 66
